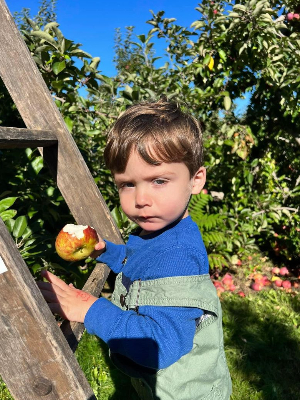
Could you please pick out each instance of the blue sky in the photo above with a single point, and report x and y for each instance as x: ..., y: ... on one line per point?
x: 93, y: 23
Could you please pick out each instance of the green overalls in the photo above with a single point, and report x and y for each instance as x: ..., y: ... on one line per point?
x: 202, y: 374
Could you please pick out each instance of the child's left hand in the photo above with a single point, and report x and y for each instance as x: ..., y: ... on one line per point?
x: 65, y: 300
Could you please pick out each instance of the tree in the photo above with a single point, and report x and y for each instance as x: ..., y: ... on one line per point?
x: 233, y: 49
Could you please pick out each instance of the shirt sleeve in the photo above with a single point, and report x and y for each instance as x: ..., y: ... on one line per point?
x: 113, y: 256
x: 155, y: 337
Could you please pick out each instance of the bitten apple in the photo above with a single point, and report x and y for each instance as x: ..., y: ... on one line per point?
x: 76, y: 242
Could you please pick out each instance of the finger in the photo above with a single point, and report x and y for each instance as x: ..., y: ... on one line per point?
x: 100, y: 245
x: 50, y: 297
x: 54, y: 279
x: 44, y: 285
x: 54, y: 292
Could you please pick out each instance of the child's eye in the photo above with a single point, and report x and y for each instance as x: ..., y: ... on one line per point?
x: 126, y: 185
x: 160, y: 181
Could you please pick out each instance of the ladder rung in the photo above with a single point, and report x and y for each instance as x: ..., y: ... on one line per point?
x: 11, y: 138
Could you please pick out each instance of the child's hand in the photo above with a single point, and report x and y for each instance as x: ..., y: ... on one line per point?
x: 100, y: 248
x: 65, y: 300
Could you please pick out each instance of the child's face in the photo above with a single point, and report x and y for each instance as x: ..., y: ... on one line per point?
x: 154, y: 196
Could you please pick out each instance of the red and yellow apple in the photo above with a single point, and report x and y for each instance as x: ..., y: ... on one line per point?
x: 76, y: 242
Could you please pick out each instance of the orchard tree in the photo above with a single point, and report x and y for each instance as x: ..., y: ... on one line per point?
x: 233, y: 50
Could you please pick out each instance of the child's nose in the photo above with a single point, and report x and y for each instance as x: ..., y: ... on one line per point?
x: 142, y: 197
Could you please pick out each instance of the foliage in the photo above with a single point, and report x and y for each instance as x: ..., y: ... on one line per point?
x: 212, y: 227
x: 232, y: 51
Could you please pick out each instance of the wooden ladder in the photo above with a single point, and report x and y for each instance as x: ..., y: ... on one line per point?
x: 36, y: 356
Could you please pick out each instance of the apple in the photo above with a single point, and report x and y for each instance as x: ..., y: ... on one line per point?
x: 290, y: 16
x: 204, y: 191
x: 276, y: 271
x: 278, y: 282
x: 220, y: 290
x: 227, y: 280
x: 284, y: 271
x: 242, y: 294
x: 217, y: 284
x: 296, y: 16
x: 215, y: 12
x: 258, y: 277
x: 76, y: 242
x: 286, y: 284
x: 256, y: 286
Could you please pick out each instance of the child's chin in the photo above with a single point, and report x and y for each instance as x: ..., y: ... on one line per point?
x: 150, y: 228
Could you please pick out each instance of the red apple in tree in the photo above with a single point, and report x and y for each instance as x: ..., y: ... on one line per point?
x: 76, y: 242
x: 204, y: 191
x: 290, y: 16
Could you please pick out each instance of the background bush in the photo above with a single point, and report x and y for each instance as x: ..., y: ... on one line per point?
x: 232, y: 51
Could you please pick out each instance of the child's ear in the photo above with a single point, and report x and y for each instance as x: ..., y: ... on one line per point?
x: 198, y: 180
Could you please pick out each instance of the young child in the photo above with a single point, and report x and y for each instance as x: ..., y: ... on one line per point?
x: 164, y: 323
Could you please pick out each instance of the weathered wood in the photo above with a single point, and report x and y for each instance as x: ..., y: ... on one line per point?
x: 11, y: 138
x: 74, y: 330
x: 39, y: 112
x: 35, y: 359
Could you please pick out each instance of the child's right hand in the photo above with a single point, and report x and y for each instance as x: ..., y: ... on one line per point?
x: 100, y: 248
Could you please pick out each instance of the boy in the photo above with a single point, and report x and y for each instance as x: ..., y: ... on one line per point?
x: 164, y: 324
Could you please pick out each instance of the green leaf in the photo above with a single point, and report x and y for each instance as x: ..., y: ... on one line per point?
x: 58, y: 85
x: 95, y: 62
x: 198, y: 24
x: 117, y: 216
x: 6, y: 203
x: 227, y: 103
x: 206, y: 59
x: 50, y: 25
x: 80, y: 53
x: 69, y: 123
x: 222, y: 55
x: 37, y: 164
x: 58, y: 67
x: 44, y: 36
x: 250, y: 178
x: 10, y: 224
x: 142, y: 38
x: 239, y: 7
x: 8, y: 214
x: 19, y: 226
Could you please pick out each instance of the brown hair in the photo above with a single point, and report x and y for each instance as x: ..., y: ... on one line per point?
x: 159, y: 132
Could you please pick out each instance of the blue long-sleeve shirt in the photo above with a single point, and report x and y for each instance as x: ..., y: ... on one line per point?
x: 166, y: 333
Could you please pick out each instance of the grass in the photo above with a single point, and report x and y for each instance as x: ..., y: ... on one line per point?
x: 262, y: 341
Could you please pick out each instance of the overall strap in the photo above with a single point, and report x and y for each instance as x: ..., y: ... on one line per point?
x: 179, y: 291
